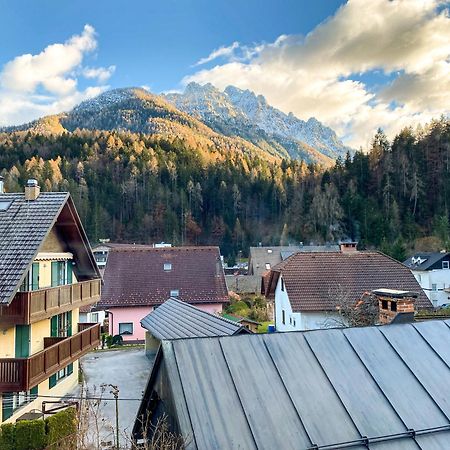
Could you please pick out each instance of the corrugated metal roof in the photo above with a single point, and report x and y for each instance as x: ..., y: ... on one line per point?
x: 175, y: 319
x: 371, y: 386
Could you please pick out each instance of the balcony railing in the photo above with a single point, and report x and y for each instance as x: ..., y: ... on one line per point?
x: 22, y: 374
x: 33, y: 306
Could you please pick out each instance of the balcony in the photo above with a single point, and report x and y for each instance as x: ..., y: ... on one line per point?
x: 22, y: 374
x: 32, y: 306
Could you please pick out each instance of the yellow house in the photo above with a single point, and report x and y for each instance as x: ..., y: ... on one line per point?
x: 47, y: 272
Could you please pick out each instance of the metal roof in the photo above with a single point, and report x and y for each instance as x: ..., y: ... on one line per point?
x: 424, y: 260
x: 24, y: 225
x: 175, y: 319
x: 381, y: 387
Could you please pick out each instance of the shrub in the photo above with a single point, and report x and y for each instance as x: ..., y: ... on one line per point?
x: 7, y: 436
x: 60, y: 426
x: 30, y: 435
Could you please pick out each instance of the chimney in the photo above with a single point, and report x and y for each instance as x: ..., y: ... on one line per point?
x: 395, y: 306
x: 2, y: 186
x: 32, y: 190
x: 348, y: 246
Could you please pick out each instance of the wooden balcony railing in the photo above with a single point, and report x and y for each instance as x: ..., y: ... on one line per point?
x: 22, y: 374
x: 33, y: 306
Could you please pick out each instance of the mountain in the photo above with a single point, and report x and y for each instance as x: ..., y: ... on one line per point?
x: 138, y: 111
x: 236, y: 112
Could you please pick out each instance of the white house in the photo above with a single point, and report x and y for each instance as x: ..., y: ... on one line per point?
x: 432, y: 271
x: 308, y: 287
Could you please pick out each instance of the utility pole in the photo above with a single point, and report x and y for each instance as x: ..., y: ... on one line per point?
x: 115, y: 392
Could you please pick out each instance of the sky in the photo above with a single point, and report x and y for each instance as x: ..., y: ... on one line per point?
x: 355, y: 65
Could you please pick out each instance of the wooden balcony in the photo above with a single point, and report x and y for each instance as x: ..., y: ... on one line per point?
x: 22, y: 374
x: 33, y: 306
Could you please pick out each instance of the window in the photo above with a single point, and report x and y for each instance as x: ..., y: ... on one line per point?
x: 282, y: 284
x: 294, y: 322
x: 174, y: 293
x: 283, y: 317
x: 61, y: 325
x: 393, y: 306
x: 126, y: 328
x: 12, y: 401
x: 445, y: 264
x: 5, y: 204
x: 384, y: 304
x: 60, y: 375
x: 290, y: 320
x: 269, y: 250
x: 167, y: 267
x: 267, y: 266
x: 434, y: 287
x: 94, y: 317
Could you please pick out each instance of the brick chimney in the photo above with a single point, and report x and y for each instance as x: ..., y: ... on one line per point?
x: 32, y: 190
x: 395, y: 306
x: 348, y: 246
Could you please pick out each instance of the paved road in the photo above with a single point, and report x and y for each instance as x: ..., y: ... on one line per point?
x: 127, y: 369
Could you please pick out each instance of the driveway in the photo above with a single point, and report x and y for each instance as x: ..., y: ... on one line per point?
x: 129, y: 371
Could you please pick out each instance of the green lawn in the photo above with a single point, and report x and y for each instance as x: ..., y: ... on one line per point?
x: 263, y: 327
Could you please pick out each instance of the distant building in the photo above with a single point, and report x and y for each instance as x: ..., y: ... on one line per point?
x: 262, y: 259
x: 47, y: 273
x: 374, y: 387
x: 101, y: 251
x: 432, y: 271
x: 251, y: 325
x: 175, y: 319
x: 308, y: 287
x: 137, y: 280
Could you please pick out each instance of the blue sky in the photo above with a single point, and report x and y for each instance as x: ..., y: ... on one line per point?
x: 150, y: 42
x: 355, y: 65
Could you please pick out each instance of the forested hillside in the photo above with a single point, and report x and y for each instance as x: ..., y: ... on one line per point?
x: 141, y: 188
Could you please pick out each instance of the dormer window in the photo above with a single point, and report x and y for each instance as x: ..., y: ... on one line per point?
x: 174, y: 293
x: 167, y: 267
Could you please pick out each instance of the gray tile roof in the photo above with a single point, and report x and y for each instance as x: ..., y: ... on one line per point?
x: 175, y: 319
x: 371, y: 386
x: 424, y: 260
x: 23, y: 227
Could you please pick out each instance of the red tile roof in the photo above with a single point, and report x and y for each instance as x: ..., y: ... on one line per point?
x: 136, y: 277
x: 314, y: 280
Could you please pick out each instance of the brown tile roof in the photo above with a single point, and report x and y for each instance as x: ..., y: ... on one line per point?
x: 136, y: 277
x: 313, y: 280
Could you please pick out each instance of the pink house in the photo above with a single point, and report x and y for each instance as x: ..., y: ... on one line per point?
x: 138, y: 280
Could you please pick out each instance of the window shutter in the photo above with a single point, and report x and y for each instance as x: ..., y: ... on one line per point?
x: 35, y: 276
x: 54, y: 273
x: 69, y: 323
x: 7, y: 405
x: 70, y: 369
x: 69, y: 272
x: 52, y: 381
x: 54, y: 326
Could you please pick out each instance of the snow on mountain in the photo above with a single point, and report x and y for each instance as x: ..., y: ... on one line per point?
x: 243, y: 113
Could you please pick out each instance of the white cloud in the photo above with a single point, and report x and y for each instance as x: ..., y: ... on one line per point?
x: 47, y: 83
x: 219, y: 52
x: 319, y: 74
x: 102, y: 74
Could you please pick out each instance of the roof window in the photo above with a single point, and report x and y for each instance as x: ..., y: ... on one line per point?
x: 167, y: 267
x: 174, y: 293
x: 5, y: 204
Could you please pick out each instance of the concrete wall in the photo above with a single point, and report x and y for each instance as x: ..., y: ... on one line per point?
x: 134, y: 315
x: 439, y: 277
x: 300, y: 321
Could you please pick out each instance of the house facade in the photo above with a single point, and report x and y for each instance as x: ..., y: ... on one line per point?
x: 138, y: 280
x: 47, y: 272
x: 308, y: 288
x: 432, y: 271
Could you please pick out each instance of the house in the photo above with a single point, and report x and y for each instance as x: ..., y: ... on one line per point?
x: 369, y: 387
x: 262, y: 259
x: 432, y: 271
x: 138, y: 280
x: 308, y: 287
x: 47, y: 272
x: 244, y: 284
x: 175, y: 319
x: 251, y: 325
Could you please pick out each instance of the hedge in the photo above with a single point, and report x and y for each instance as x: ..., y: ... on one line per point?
x: 39, y: 434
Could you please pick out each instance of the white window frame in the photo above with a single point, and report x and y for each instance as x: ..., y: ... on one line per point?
x: 445, y: 264
x: 126, y: 332
x: 434, y: 287
x: 167, y: 267
x: 267, y: 266
x: 175, y: 293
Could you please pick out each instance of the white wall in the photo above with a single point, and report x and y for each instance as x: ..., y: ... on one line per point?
x: 439, y: 277
x: 91, y: 316
x: 296, y: 321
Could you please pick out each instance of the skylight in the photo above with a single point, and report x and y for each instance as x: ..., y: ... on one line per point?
x: 5, y: 204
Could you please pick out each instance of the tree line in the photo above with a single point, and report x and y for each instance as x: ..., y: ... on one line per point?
x: 142, y: 188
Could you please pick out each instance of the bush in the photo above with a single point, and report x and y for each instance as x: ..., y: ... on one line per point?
x: 30, y: 435
x: 7, y: 436
x: 61, y: 425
